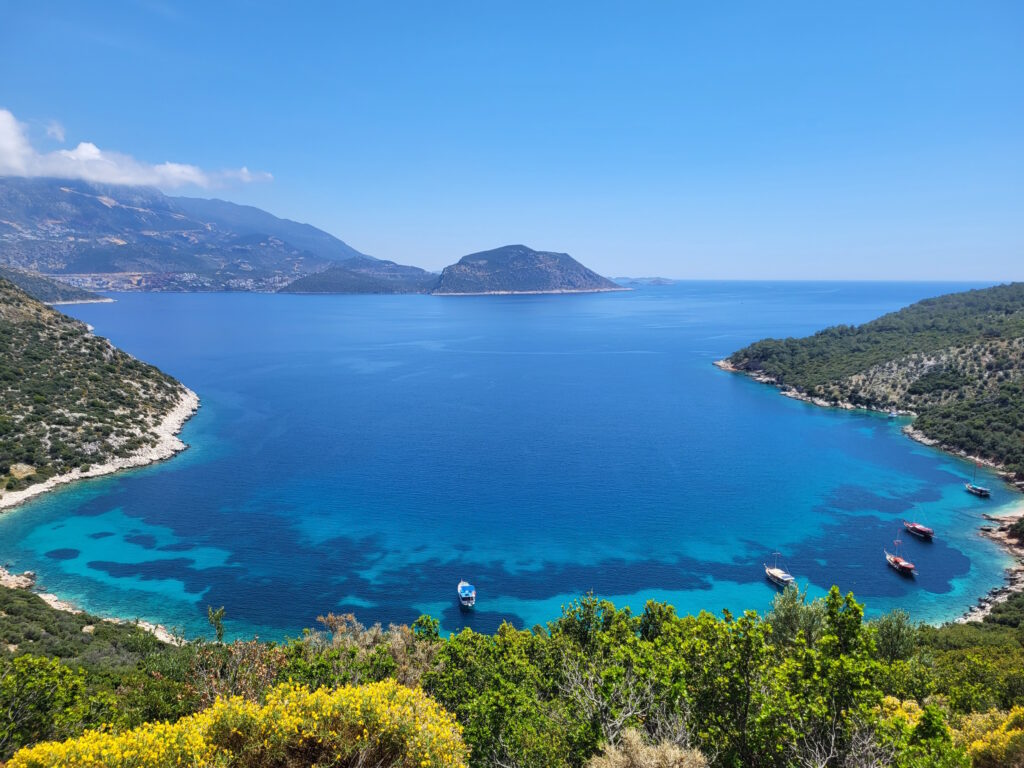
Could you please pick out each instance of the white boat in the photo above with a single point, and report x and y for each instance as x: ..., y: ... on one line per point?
x: 467, y: 594
x: 777, y: 575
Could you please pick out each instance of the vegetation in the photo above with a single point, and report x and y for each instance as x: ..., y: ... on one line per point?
x: 377, y: 724
x: 809, y: 684
x: 69, y: 399
x: 956, y: 360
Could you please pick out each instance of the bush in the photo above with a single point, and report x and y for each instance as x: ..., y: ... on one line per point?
x: 378, y: 724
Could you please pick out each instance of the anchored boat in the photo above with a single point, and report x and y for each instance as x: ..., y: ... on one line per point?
x: 778, y: 576
x: 899, y: 564
x: 977, y: 490
x: 467, y: 594
x: 919, y: 530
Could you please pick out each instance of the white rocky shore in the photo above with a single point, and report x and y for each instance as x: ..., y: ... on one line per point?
x: 167, y: 444
x: 27, y: 580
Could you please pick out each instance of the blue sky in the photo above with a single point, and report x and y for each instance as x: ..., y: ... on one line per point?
x: 719, y: 140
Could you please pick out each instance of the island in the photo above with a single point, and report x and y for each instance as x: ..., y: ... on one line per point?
x: 519, y: 269
x: 72, y: 405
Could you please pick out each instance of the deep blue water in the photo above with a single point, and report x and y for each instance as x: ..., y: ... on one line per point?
x: 364, y: 453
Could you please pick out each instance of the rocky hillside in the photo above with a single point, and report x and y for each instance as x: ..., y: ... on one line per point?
x: 131, y: 238
x: 957, y: 361
x: 518, y: 269
x: 45, y: 289
x: 365, y: 275
x: 69, y: 399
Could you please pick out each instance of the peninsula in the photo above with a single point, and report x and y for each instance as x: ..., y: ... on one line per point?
x: 954, y: 362
x: 72, y: 405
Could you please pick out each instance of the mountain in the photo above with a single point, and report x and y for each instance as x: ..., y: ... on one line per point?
x: 121, y: 237
x: 70, y: 400
x: 518, y: 269
x: 45, y: 289
x: 365, y: 275
x: 956, y: 361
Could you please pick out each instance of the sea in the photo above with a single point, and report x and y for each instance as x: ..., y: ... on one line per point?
x: 362, y: 454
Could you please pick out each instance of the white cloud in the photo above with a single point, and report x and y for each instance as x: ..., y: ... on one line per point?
x: 88, y: 162
x: 55, y: 131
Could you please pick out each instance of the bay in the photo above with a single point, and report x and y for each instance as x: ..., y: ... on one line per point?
x: 364, y: 453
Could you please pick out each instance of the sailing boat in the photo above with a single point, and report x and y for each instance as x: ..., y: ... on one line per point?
x: 900, y: 565
x: 778, y: 576
x: 977, y: 490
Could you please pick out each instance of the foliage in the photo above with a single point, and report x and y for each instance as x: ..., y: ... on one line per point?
x: 955, y: 360
x: 38, y: 697
x: 999, y: 743
x: 377, y: 724
x: 808, y: 684
x: 68, y: 399
x: 633, y: 752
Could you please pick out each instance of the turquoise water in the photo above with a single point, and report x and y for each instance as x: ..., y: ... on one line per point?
x: 364, y: 453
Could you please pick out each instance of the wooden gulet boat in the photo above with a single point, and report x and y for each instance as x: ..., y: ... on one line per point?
x: 777, y: 575
x: 919, y: 530
x: 973, y: 487
x: 899, y: 564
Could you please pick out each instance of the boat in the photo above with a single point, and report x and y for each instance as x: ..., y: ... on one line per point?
x: 778, y: 576
x: 893, y: 414
x: 467, y: 594
x: 919, y: 530
x: 899, y: 564
x: 977, y: 490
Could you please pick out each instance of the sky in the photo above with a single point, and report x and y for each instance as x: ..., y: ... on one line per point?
x: 768, y: 140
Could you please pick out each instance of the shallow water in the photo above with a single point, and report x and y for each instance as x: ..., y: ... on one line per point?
x: 364, y: 453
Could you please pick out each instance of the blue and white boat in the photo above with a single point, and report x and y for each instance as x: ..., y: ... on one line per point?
x: 467, y: 594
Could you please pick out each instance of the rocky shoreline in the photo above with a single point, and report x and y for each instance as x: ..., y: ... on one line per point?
x: 27, y: 580
x: 167, y: 444
x: 998, y: 533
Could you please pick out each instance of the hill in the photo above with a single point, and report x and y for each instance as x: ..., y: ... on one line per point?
x: 130, y: 238
x: 518, y: 269
x: 45, y: 289
x: 957, y: 361
x: 71, y: 403
x: 365, y: 275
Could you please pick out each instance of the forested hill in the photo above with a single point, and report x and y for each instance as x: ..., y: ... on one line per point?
x: 69, y: 399
x: 956, y: 360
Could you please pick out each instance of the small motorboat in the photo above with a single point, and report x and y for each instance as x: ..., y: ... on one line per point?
x: 919, y: 530
x: 899, y: 564
x: 778, y: 576
x: 467, y: 594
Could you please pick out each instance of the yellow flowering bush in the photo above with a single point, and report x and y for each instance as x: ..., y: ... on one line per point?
x: 996, y: 740
x: 377, y: 724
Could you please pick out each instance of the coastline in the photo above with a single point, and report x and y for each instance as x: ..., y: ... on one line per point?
x: 1014, y: 575
x: 168, y: 443
x: 529, y: 293
x: 27, y: 581
x: 100, y: 300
